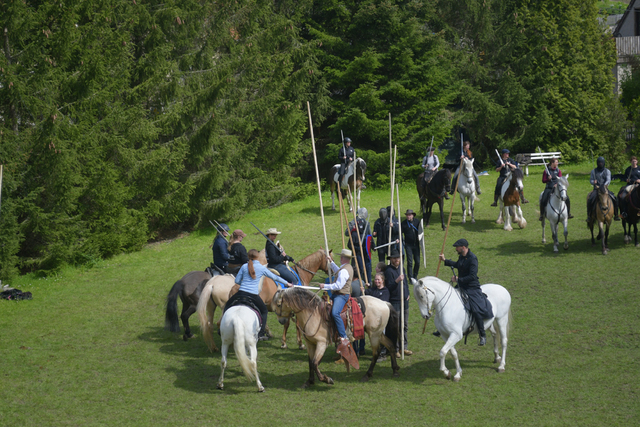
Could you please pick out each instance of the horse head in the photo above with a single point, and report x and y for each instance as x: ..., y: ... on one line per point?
x: 283, y: 311
x: 361, y: 168
x: 467, y: 169
x: 515, y: 178
x: 561, y: 188
x: 424, y: 296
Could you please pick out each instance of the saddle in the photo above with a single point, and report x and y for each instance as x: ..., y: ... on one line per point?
x: 349, y: 170
x: 241, y: 300
x: 352, y: 315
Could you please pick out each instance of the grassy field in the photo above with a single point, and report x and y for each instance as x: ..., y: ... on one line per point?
x: 90, y: 348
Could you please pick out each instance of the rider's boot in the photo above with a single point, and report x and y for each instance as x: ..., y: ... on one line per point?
x: 478, y: 187
x: 495, y: 200
x: 569, y: 216
x: 522, y: 199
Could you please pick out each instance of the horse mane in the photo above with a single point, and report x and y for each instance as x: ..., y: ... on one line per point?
x: 440, y: 179
x: 517, y: 173
x: 313, y: 259
x: 304, y: 300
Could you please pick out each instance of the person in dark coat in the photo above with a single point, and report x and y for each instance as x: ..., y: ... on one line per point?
x: 468, y: 283
x: 394, y: 277
x: 411, y: 242
x: 359, y: 238
x: 466, y: 152
x: 632, y: 176
x: 378, y: 232
x: 601, y: 177
x: 237, y: 252
x: 277, y: 258
x: 507, y: 164
x: 379, y: 290
x: 346, y: 156
x: 220, y: 250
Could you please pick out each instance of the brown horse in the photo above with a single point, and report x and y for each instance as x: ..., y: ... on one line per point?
x: 510, y: 201
x: 631, y: 206
x: 314, y: 319
x: 602, y: 214
x: 353, y: 178
x: 440, y: 182
x: 189, y: 288
x: 219, y: 289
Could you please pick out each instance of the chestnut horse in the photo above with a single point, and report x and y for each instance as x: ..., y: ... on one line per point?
x: 432, y: 194
x: 314, y: 319
x: 353, y: 178
x: 219, y: 289
x: 632, y: 209
x: 510, y: 201
x: 602, y: 214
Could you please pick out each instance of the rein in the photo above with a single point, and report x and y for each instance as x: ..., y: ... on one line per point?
x: 279, y: 314
x: 446, y: 295
x: 564, y: 205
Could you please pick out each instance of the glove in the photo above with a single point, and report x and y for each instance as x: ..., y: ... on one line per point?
x: 288, y: 258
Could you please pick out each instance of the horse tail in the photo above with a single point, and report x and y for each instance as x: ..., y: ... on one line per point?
x: 171, y: 316
x: 239, y: 331
x: 392, y: 329
x: 203, y: 311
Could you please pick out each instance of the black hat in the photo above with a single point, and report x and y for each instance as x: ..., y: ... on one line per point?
x: 394, y: 254
x: 347, y: 139
x: 504, y: 150
x: 461, y: 242
x: 409, y: 212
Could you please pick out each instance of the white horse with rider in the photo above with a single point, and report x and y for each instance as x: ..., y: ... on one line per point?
x: 467, y: 189
x: 556, y: 212
x: 451, y: 319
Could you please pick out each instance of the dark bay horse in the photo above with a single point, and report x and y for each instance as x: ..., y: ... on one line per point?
x: 602, y: 214
x: 353, y: 178
x: 631, y: 207
x: 440, y: 182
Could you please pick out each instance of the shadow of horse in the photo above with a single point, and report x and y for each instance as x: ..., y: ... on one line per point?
x: 439, y: 183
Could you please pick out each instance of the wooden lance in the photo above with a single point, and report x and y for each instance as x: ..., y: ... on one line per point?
x: 355, y: 222
x: 401, y: 284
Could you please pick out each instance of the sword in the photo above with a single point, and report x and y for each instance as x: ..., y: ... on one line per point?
x: 499, y: 157
x: 545, y: 163
x: 265, y: 236
x: 386, y: 244
x: 311, y: 288
x: 218, y: 227
x: 424, y: 251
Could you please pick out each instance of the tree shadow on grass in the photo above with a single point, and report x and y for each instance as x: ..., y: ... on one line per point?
x: 315, y: 210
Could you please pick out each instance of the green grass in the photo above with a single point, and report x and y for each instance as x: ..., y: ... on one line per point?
x: 90, y: 348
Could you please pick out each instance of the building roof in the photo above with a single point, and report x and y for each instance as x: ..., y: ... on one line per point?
x: 616, y: 32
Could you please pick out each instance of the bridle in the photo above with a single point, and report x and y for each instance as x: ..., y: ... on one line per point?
x: 279, y: 314
x: 447, y: 295
x: 560, y: 188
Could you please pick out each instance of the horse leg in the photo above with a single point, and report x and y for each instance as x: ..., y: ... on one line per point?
x: 606, y: 237
x: 566, y: 233
x: 603, y: 237
x: 187, y: 311
x: 464, y: 209
x: 500, y: 220
x: 253, y: 355
x: 299, y: 339
x: 635, y: 231
x: 472, y: 200
x: 544, y: 226
x: 503, y: 327
x: 454, y: 353
x: 333, y: 199
x: 554, y: 233
x: 448, y: 345
x: 444, y: 227
x: 507, y: 218
x: 223, y: 365
x: 317, y: 350
x: 284, y: 334
x: 522, y: 223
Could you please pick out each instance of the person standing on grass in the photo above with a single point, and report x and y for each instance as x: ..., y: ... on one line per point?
x: 249, y: 277
x: 394, y: 278
x: 468, y: 283
x: 411, y: 242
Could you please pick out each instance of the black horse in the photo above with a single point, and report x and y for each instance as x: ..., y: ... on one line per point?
x: 188, y: 289
x: 434, y: 193
x: 631, y: 206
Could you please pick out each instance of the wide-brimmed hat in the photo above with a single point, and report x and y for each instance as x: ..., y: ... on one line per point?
x: 239, y: 233
x: 409, y: 212
x: 272, y: 231
x: 504, y: 150
x: 346, y: 253
x: 461, y: 242
x: 394, y: 254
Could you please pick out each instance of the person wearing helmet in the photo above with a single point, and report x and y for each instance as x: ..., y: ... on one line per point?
x: 345, y: 156
x: 601, y: 177
x: 221, y: 255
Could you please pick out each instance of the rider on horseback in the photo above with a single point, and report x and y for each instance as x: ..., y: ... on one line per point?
x: 551, y: 180
x: 430, y: 163
x: 469, y: 285
x: 340, y: 293
x: 220, y: 251
x: 601, y: 177
x: 632, y: 175
x: 345, y: 156
x: 466, y: 153
x: 277, y: 258
x: 505, y: 167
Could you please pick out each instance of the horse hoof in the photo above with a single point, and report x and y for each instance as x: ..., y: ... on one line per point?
x: 638, y: 245
x: 302, y: 347
x: 544, y: 240
x: 364, y: 379
x: 329, y: 380
x: 473, y: 221
x: 566, y: 246
x: 306, y: 385
x: 283, y: 346
x: 261, y: 389
x: 456, y: 379
x: 185, y: 337
x: 555, y: 250
x: 448, y: 375
x: 220, y: 387
x: 396, y: 374
x: 501, y: 370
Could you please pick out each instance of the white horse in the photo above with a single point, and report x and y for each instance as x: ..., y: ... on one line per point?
x: 452, y: 320
x: 353, y: 178
x: 239, y: 327
x: 467, y: 189
x: 556, y: 212
x: 510, y: 201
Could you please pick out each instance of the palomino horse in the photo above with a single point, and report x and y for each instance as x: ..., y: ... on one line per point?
x: 314, y: 319
x: 353, y: 178
x: 467, y: 189
x: 218, y: 290
x: 432, y: 194
x: 188, y: 289
x: 632, y: 209
x: 510, y: 201
x: 602, y: 214
x: 556, y: 212
x: 239, y: 327
x: 451, y: 319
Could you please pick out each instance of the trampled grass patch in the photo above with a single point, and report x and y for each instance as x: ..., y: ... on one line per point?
x: 90, y: 348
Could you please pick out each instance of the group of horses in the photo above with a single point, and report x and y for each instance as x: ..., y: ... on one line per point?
x: 239, y: 325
